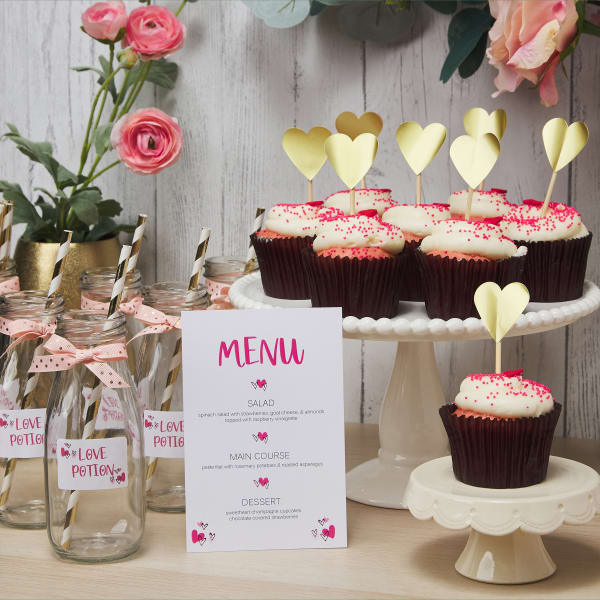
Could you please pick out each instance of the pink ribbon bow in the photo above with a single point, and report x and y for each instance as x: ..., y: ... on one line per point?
x: 128, y: 308
x: 25, y: 329
x: 62, y: 355
x: 157, y: 321
x: 10, y: 285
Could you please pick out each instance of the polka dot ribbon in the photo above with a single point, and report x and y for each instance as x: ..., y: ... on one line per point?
x: 25, y: 329
x: 10, y: 285
x: 157, y: 321
x: 128, y: 308
x: 62, y: 355
x: 219, y: 295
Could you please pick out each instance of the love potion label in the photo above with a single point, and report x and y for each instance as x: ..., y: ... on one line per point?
x: 92, y: 464
x: 110, y: 411
x: 163, y: 433
x: 9, y: 390
x: 22, y: 433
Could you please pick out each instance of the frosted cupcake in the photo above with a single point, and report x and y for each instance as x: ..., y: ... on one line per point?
x: 500, y: 429
x: 288, y: 228
x: 416, y: 222
x: 354, y: 263
x: 457, y: 257
x: 558, y: 247
x: 365, y: 199
x: 486, y: 204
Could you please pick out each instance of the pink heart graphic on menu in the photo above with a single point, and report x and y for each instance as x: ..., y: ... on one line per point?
x: 198, y: 537
x: 261, y: 383
x: 202, y: 525
x: 263, y: 481
x: 329, y: 533
x: 64, y: 452
x: 262, y: 436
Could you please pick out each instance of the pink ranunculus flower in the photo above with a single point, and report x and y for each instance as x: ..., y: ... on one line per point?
x: 526, y: 42
x: 154, y: 32
x: 104, y: 20
x: 147, y: 140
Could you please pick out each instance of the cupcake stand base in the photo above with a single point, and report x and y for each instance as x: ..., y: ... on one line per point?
x: 410, y: 430
x: 505, y: 543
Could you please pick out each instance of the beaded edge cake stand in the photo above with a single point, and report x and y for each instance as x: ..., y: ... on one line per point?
x: 410, y: 430
x: 505, y: 544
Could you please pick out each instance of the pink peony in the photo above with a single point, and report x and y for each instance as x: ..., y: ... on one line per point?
x: 147, y: 140
x: 154, y: 32
x: 104, y: 20
x: 526, y: 41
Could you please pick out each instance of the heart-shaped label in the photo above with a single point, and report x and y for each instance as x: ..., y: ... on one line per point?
x: 262, y: 436
x: 261, y: 383
x: 263, y: 481
x: 563, y: 142
x: 306, y: 150
x: 478, y: 121
x: 348, y: 123
x: 351, y: 159
x: 419, y: 146
x: 328, y: 532
x: 498, y: 308
x: 474, y: 158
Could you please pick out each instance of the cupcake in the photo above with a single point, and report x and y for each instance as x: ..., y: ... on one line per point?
x: 288, y: 228
x: 500, y: 429
x: 365, y: 199
x: 558, y: 246
x: 354, y: 263
x: 457, y: 257
x: 416, y: 221
x: 486, y: 204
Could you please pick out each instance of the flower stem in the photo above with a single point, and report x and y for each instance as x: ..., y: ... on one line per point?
x: 180, y: 8
x: 90, y: 179
x: 112, y: 55
x: 137, y: 88
x: 113, y: 113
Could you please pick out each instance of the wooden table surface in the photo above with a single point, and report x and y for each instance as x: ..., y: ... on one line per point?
x: 390, y: 554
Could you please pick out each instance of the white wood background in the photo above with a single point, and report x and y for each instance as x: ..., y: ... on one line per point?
x: 241, y: 85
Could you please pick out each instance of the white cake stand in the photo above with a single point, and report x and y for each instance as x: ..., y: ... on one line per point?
x: 505, y: 544
x: 410, y: 430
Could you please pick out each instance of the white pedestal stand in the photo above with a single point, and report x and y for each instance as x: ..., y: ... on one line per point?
x: 410, y: 430
x: 505, y: 544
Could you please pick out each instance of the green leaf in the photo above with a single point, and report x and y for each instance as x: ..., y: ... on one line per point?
x: 106, y: 227
x: 590, y: 28
x: 446, y: 7
x: 84, y: 206
x: 48, y: 210
x: 109, y: 208
x: 464, y: 32
x: 83, y: 69
x: 316, y: 7
x: 163, y: 73
x: 473, y: 61
x: 101, y: 138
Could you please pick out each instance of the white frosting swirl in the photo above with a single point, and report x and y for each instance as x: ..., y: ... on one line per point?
x: 485, y: 204
x: 365, y: 199
x: 469, y: 237
x: 504, y: 395
x: 358, y: 231
x: 561, y: 222
x: 416, y: 219
x: 293, y: 219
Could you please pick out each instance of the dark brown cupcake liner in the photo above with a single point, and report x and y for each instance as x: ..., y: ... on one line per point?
x: 411, y: 287
x: 555, y: 271
x: 449, y: 284
x: 280, y: 264
x: 362, y: 287
x: 500, y: 453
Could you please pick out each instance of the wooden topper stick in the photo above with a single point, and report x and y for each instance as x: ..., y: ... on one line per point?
x: 363, y: 183
x: 482, y: 184
x: 310, y: 190
x: 352, y: 201
x: 419, y: 185
x: 499, y: 357
x: 549, y: 193
x: 469, y: 204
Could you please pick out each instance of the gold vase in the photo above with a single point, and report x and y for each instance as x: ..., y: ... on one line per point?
x: 35, y: 263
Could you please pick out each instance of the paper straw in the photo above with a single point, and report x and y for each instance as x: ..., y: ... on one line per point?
x: 175, y: 366
x: 32, y: 378
x: 91, y: 409
x: 251, y: 257
x: 136, y: 243
x: 6, y: 229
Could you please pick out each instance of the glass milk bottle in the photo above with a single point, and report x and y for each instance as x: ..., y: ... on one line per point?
x: 9, y: 282
x: 220, y: 272
x: 160, y: 394
x: 23, y: 398
x: 94, y: 471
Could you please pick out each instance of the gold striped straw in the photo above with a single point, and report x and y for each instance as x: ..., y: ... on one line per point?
x: 175, y: 366
x: 91, y: 409
x: 6, y: 230
x: 251, y: 256
x: 136, y: 242
x: 32, y: 378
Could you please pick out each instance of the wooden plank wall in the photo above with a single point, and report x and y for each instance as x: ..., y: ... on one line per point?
x: 241, y: 85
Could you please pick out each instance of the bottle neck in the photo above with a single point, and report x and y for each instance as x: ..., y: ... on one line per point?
x: 224, y: 269
x: 173, y: 297
x: 31, y: 304
x: 97, y: 284
x: 91, y: 328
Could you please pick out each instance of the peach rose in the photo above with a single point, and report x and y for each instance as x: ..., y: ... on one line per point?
x: 104, y: 20
x: 147, y: 140
x: 154, y: 32
x: 526, y: 41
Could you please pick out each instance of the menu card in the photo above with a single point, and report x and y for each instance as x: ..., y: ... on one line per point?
x: 264, y: 429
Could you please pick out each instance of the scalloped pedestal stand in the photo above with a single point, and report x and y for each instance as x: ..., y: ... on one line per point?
x: 410, y: 430
x: 505, y: 544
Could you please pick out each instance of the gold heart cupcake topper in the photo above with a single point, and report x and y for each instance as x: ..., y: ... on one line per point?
x: 478, y: 121
x: 306, y: 150
x: 499, y: 310
x: 419, y: 146
x: 353, y: 126
x: 475, y: 157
